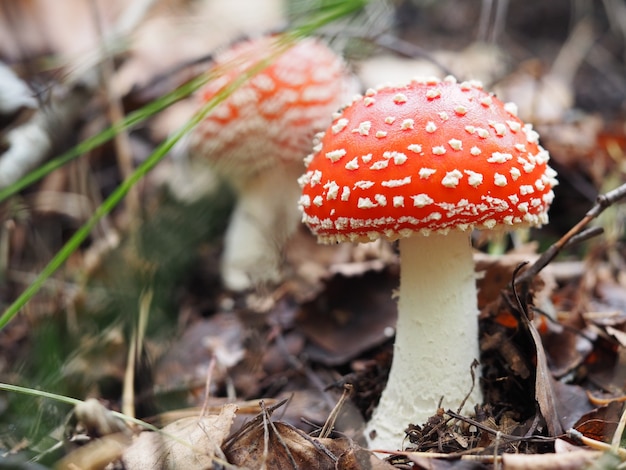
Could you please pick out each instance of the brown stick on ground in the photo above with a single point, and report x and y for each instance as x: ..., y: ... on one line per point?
x: 576, y: 233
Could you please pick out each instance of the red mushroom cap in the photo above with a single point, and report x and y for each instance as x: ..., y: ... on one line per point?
x: 273, y: 117
x: 427, y: 156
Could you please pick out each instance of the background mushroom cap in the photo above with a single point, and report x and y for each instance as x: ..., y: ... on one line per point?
x: 427, y: 156
x: 273, y: 117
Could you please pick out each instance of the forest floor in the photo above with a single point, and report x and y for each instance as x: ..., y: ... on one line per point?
x: 136, y: 320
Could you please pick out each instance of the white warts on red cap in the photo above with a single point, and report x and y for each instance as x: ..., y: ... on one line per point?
x: 491, y: 171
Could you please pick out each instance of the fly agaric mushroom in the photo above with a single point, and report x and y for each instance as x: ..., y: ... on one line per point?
x: 257, y: 138
x: 426, y: 163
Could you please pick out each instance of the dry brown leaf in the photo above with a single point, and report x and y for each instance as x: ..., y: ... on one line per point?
x: 544, y: 386
x: 96, y: 454
x: 187, y: 360
x: 357, y: 458
x: 277, y: 446
x: 341, y: 325
x: 186, y: 443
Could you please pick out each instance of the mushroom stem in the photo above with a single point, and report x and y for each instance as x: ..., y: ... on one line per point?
x: 436, y: 337
x: 264, y: 217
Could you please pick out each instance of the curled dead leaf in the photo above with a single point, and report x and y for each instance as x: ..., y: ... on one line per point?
x: 186, y: 443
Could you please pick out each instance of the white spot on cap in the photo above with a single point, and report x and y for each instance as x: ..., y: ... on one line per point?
x: 381, y: 134
x: 452, y: 179
x: 366, y: 158
x: 520, y: 147
x: 514, y: 198
x: 475, y: 151
x: 456, y: 144
x: 407, y: 124
x: 526, y: 165
x: 318, y: 201
x: 526, y: 189
x: 389, y: 120
x: 499, y: 128
x: 368, y: 101
x: 531, y: 136
x: 486, y: 101
x: 444, y: 116
x: 335, y: 155
x: 415, y: 148
x: 499, y: 180
x: 499, y: 157
x: 540, y: 185
x: 363, y: 184
x: 339, y: 125
x: 396, y: 183
x: 341, y: 223
x: 398, y: 157
x: 511, y: 108
x: 523, y: 207
x: 433, y: 93
x: 515, y: 173
x: 548, y: 197
x: 460, y: 110
x: 542, y: 157
x: 489, y: 223
x: 370, y: 92
x: 422, y: 200
x: 353, y: 164
x: 345, y: 193
x: 365, y: 203
x: 474, y: 179
x: 425, y: 173
x: 482, y: 133
x: 470, y: 129
x: 364, y: 128
x: 305, y: 201
x: 316, y: 178
x: 400, y: 98
x: 430, y: 127
x: 439, y: 150
x: 380, y: 165
x: 305, y: 179
x: 398, y: 201
x: 514, y: 125
x: 381, y: 200
x: 332, y: 190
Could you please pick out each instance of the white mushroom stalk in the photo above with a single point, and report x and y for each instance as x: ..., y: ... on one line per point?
x: 436, y: 337
x: 425, y: 163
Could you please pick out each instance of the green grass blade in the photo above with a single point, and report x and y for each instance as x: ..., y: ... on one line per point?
x: 71, y: 401
x: 331, y: 11
x: 118, y: 194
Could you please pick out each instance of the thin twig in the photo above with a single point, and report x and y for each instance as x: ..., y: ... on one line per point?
x: 495, y: 432
x: 329, y: 425
x: 603, y: 201
x: 207, y: 386
x: 579, y: 437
